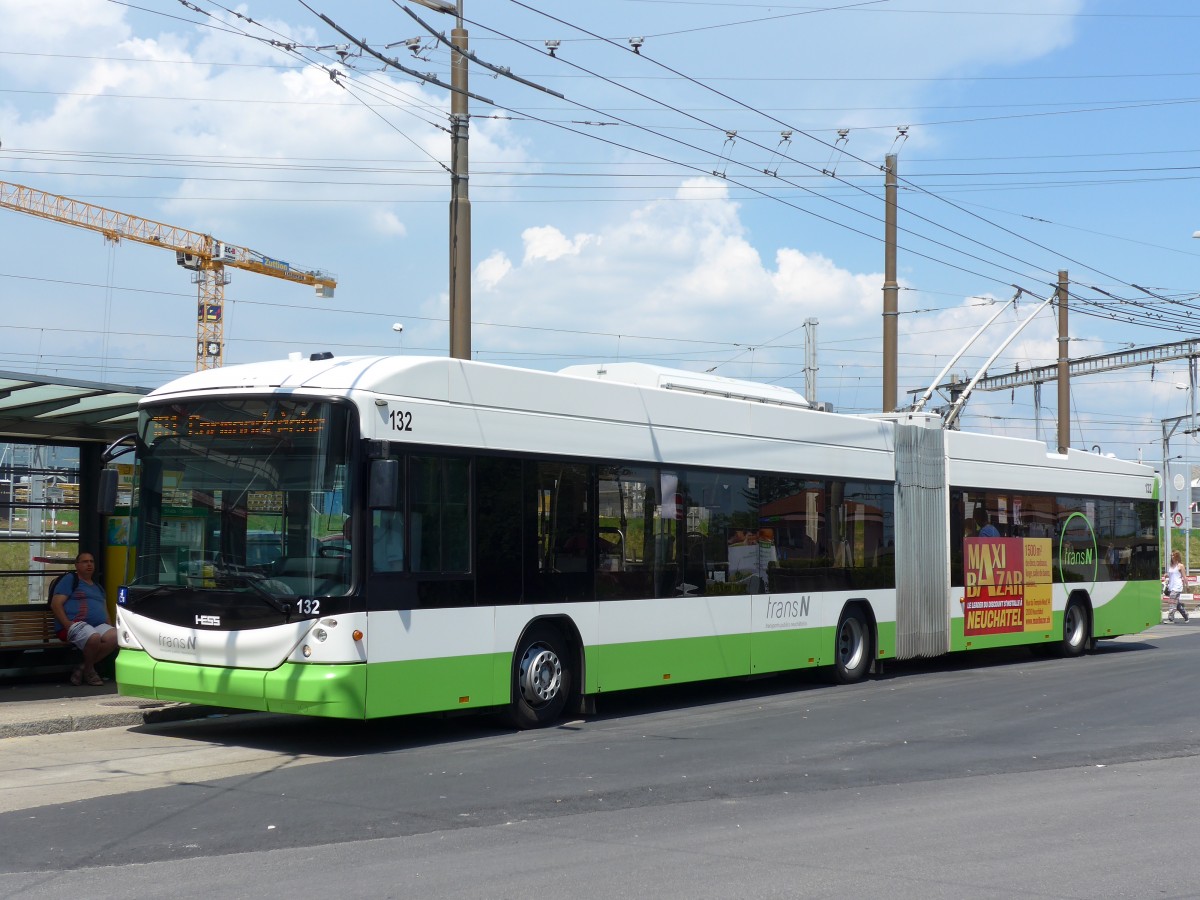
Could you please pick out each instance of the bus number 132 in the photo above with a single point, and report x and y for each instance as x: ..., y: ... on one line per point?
x: 400, y: 420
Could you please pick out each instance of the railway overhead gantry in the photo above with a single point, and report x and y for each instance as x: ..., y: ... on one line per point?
x: 1088, y: 365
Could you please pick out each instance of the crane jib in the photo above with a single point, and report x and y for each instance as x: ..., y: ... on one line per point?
x: 198, y: 252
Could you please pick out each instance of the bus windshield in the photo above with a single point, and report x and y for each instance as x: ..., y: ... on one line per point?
x: 246, y: 495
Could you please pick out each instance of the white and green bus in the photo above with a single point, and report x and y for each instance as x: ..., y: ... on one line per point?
x: 369, y: 537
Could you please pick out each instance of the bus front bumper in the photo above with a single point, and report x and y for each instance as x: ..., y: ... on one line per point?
x: 336, y: 691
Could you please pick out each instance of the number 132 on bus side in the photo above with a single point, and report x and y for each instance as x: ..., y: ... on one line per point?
x: 398, y: 419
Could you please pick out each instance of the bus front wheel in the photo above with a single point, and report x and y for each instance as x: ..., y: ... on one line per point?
x: 852, y: 650
x: 541, y: 678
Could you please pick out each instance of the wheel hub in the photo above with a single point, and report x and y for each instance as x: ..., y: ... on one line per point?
x: 851, y: 643
x: 1073, y: 626
x: 541, y: 675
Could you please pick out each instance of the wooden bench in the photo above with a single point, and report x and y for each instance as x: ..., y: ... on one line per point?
x: 29, y: 628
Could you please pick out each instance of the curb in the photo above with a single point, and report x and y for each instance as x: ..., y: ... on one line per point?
x: 117, y: 718
x: 182, y: 712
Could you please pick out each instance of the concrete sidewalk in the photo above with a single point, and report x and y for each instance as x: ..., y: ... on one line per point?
x: 49, y: 704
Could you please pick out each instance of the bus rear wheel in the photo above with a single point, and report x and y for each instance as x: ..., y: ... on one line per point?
x: 852, y: 650
x: 1075, y: 629
x: 541, y: 678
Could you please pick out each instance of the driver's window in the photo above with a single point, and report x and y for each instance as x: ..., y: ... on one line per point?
x: 387, y: 540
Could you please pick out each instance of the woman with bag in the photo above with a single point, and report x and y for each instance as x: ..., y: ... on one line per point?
x: 1175, y: 586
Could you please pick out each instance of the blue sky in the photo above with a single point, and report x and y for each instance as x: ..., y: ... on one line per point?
x: 654, y: 214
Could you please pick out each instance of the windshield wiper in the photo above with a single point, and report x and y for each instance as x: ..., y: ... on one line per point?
x: 252, y: 582
x: 161, y: 589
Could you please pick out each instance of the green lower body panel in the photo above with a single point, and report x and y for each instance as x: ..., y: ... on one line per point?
x: 806, y: 648
x: 959, y: 641
x: 1135, y: 609
x: 887, y: 640
x: 434, y: 685
x: 646, y: 663
x: 336, y: 691
x: 793, y: 648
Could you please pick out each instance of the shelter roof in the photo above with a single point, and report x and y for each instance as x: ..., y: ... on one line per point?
x: 63, y: 409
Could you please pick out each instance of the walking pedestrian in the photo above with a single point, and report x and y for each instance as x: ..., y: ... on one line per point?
x: 1175, y: 586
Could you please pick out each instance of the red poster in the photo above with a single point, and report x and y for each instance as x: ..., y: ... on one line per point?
x: 994, y: 582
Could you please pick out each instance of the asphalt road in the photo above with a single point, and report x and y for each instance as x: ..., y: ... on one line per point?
x: 1015, y: 775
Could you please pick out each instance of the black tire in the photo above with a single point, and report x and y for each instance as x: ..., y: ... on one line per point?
x: 852, y: 647
x: 542, y: 678
x: 1076, y: 629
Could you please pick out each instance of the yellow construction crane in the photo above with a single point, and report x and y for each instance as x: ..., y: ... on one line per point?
x: 201, y: 253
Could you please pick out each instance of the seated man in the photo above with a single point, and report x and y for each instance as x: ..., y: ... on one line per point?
x: 81, y: 612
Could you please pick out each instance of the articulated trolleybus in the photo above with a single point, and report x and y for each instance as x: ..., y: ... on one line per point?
x: 370, y: 537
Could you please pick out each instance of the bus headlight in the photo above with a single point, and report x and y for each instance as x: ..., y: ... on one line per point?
x: 320, y: 634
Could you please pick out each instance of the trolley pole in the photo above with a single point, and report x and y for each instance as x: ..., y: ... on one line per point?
x: 890, y: 286
x: 1064, y: 385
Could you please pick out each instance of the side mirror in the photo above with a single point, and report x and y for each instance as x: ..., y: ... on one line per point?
x: 106, y: 498
x: 122, y: 445
x: 384, y: 489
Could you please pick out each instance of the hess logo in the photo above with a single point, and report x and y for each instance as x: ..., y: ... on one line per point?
x: 208, y: 620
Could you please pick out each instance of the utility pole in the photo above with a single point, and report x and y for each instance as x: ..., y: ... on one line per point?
x: 1064, y: 384
x: 1187, y: 468
x: 460, y: 202
x: 890, y: 286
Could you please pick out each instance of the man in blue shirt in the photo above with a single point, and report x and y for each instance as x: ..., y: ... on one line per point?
x: 984, y: 521
x: 81, y: 611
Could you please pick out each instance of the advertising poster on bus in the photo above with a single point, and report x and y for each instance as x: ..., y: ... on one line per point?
x: 1007, y: 585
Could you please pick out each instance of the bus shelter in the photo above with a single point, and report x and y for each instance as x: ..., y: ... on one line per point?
x: 53, y: 432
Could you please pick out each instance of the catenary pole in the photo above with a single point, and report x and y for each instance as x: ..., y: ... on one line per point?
x: 1064, y: 384
x: 890, y: 286
x: 460, y: 201
x: 810, y: 359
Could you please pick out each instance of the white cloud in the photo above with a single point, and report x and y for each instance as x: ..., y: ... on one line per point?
x: 671, y: 269
x: 222, y: 101
x: 548, y: 243
x: 388, y: 223
x: 490, y: 272
x: 810, y: 279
